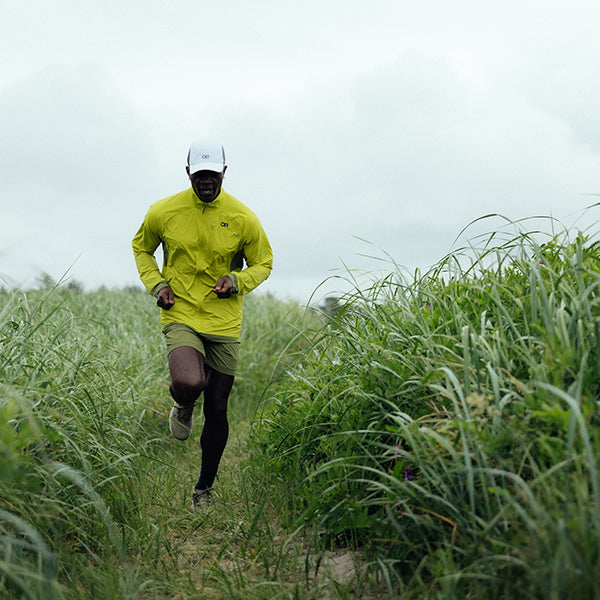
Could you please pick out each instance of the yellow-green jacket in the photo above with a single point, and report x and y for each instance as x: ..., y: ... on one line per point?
x: 201, y: 243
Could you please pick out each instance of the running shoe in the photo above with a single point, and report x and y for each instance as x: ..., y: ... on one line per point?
x: 202, y: 500
x: 181, y: 420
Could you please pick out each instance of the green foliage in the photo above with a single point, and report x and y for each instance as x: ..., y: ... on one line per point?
x: 88, y: 470
x: 273, y: 332
x: 447, y: 426
x: 71, y: 421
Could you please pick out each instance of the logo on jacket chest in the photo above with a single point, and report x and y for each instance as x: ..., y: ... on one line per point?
x: 223, y: 224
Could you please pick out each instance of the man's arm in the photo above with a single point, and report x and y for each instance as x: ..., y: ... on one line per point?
x: 144, y: 244
x: 259, y: 258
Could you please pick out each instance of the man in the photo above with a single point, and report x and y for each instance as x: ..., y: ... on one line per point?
x: 205, y: 234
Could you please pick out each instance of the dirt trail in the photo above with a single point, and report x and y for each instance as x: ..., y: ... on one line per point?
x: 238, y: 544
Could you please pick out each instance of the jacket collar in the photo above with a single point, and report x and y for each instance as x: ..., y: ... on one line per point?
x: 216, y: 202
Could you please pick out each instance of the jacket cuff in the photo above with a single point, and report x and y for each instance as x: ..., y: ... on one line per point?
x: 234, y: 280
x: 159, y: 286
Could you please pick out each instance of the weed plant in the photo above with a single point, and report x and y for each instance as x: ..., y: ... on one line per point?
x: 274, y: 332
x: 447, y: 426
x: 92, y: 494
x: 75, y: 440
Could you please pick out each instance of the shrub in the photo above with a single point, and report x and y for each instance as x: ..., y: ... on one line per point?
x: 447, y: 425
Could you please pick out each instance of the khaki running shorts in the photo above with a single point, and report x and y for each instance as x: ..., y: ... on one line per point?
x: 220, y: 352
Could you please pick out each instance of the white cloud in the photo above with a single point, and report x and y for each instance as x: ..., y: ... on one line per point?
x: 391, y: 122
x: 72, y: 163
x: 70, y: 128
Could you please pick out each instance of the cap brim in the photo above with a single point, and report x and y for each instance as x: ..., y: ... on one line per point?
x: 207, y: 166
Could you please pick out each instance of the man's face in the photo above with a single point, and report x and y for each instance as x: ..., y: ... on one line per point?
x: 206, y: 184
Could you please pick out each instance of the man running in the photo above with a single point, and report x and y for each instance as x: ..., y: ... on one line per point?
x: 206, y: 235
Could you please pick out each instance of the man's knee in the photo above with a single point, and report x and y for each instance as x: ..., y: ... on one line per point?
x: 215, y: 413
x: 216, y: 397
x: 186, y: 388
x: 188, y: 378
x: 215, y: 405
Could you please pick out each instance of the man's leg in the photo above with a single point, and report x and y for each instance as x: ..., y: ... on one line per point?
x: 188, y: 379
x: 216, y: 426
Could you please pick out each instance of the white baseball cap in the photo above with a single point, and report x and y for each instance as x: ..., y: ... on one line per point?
x: 205, y: 155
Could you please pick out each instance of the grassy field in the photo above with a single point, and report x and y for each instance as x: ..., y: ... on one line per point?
x: 435, y: 436
x: 94, y: 492
x: 446, y: 427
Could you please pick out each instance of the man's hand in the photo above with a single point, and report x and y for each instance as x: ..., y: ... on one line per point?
x: 224, y: 286
x: 165, y: 298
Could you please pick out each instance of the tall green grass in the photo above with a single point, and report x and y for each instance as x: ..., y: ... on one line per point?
x: 443, y: 425
x: 75, y: 437
x: 447, y: 425
x: 90, y: 479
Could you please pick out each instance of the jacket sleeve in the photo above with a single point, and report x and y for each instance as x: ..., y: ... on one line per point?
x: 144, y: 244
x: 259, y: 258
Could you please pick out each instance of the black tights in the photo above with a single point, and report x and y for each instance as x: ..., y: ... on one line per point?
x: 189, y: 378
x: 216, y: 426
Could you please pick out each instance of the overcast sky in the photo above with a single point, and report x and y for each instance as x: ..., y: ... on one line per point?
x: 343, y: 121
